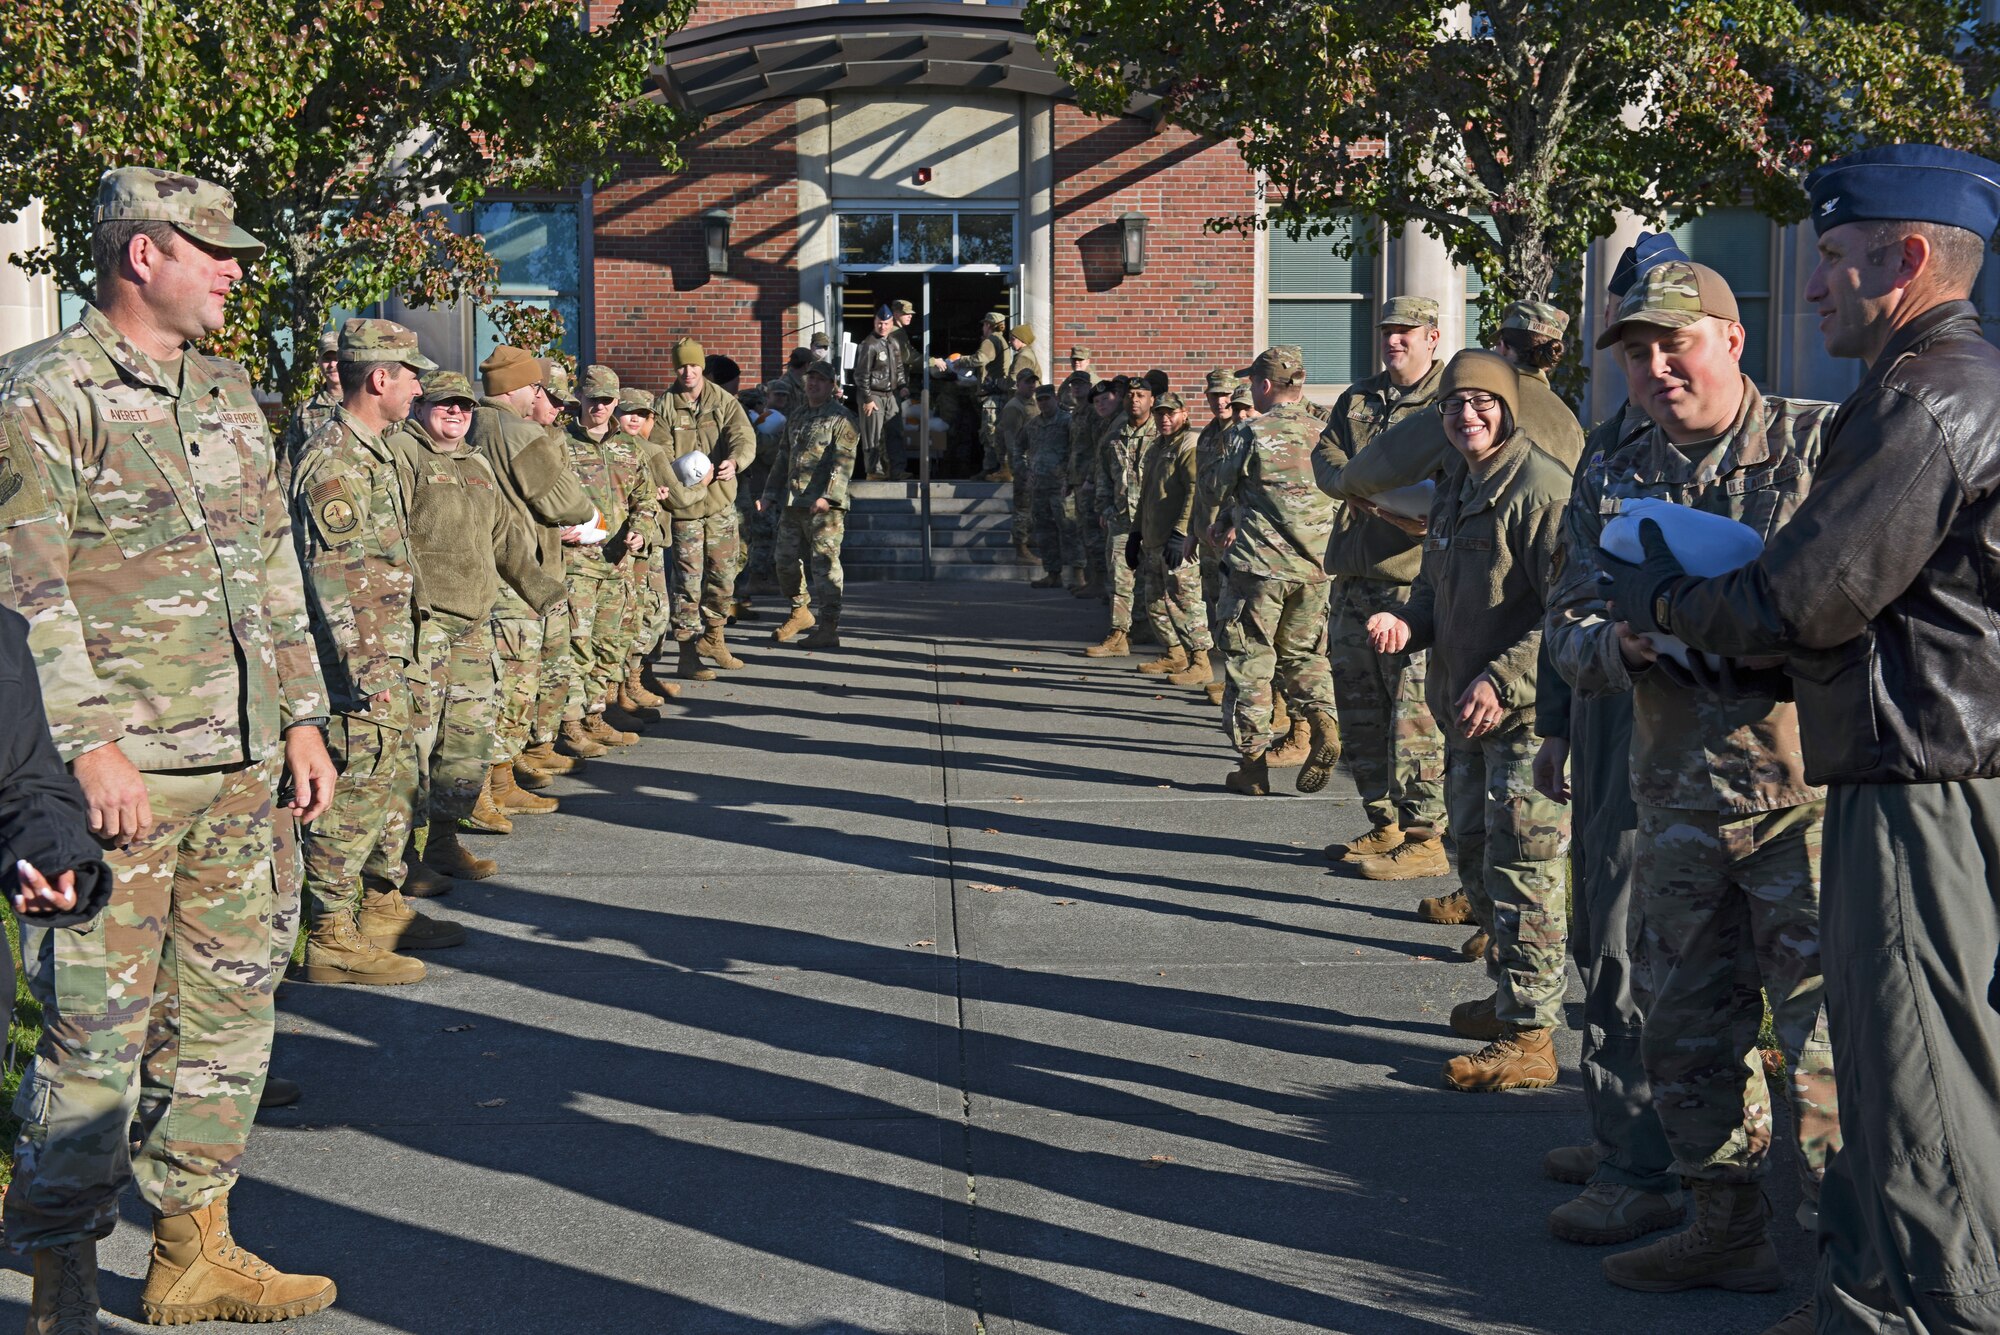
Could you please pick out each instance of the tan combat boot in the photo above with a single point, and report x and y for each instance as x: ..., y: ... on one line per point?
x: 443, y: 851
x: 199, y: 1273
x: 604, y: 733
x: 423, y: 881
x: 825, y: 635
x: 636, y: 689
x: 1420, y: 854
x: 1574, y: 1164
x: 1801, y: 1320
x: 1087, y: 589
x: 65, y: 1295
x: 1726, y: 1247
x: 509, y: 797
x: 793, y: 626
x: 487, y: 817
x: 1252, y: 777
x: 1173, y: 659
x: 388, y: 920
x: 1115, y: 645
x: 1293, y: 750
x: 543, y: 756
x: 1474, y: 947
x: 649, y: 676
x: 576, y: 740
x: 630, y: 705
x: 1518, y: 1059
x: 1380, y: 840
x: 337, y: 953
x: 1214, y: 690
x: 1609, y: 1212
x: 1198, y: 672
x: 1451, y: 910
x: 617, y: 719
x: 690, y: 666
x: 1476, y: 1019
x: 1325, y: 752
x: 527, y: 777
x: 1050, y: 580
x: 715, y: 648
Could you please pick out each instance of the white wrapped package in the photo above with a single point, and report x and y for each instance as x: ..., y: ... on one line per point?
x: 694, y: 469
x: 1705, y: 544
x: 592, y: 531
x: 1411, y: 502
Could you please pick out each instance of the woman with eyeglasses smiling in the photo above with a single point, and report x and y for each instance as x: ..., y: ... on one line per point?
x: 1478, y: 604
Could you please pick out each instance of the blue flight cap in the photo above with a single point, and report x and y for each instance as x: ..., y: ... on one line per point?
x: 1651, y: 250
x: 1908, y: 183
x: 884, y: 313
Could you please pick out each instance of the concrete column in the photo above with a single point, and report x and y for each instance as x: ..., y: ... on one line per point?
x: 1038, y: 215
x: 1607, y: 378
x: 818, y: 244
x: 1420, y: 266
x: 29, y: 307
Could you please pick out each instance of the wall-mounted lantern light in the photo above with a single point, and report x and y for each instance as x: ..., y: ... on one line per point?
x: 715, y: 239
x: 1132, y: 238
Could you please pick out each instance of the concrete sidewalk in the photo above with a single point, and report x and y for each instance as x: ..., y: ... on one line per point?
x: 928, y: 986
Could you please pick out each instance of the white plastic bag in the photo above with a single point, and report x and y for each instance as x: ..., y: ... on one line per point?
x: 1705, y: 544
x: 1411, y: 502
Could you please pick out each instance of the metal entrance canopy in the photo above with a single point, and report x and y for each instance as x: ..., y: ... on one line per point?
x: 793, y: 53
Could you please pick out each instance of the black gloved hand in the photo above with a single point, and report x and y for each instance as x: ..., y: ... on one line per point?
x: 1135, y: 548
x: 1634, y: 590
x: 1176, y: 551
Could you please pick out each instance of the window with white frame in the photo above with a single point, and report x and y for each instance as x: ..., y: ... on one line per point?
x: 1323, y: 302
x: 536, y: 245
x: 872, y: 239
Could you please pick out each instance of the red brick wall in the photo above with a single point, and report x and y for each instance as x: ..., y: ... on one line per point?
x: 1195, y: 305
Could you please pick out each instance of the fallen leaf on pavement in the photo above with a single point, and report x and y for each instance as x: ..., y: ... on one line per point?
x: 1066, y: 901
x: 923, y: 943
x: 991, y: 888
x: 456, y: 1028
x: 989, y: 830
x: 491, y: 1103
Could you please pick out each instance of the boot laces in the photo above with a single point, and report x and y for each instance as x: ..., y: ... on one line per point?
x: 228, y: 1251
x: 1498, y: 1050
x: 76, y: 1310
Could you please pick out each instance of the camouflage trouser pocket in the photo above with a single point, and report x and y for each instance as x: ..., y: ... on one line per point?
x: 74, y: 963
x: 31, y: 1104
x: 1540, y: 837
x: 361, y: 747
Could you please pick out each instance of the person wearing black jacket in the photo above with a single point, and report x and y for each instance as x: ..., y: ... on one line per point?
x: 51, y: 868
x: 1884, y: 592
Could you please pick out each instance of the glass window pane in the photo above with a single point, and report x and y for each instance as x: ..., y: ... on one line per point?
x: 867, y: 238
x: 536, y: 245
x: 986, y: 238
x: 1309, y: 264
x: 924, y: 238
x: 1336, y: 336
x: 1475, y: 287
x: 1736, y: 243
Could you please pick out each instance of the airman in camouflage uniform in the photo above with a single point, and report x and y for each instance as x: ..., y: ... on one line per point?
x: 144, y: 537
x: 692, y: 416
x: 1121, y: 449
x: 1393, y: 746
x: 1047, y: 456
x: 1217, y: 389
x: 316, y: 411
x: 1086, y: 433
x: 654, y: 613
x: 1072, y: 397
x: 1273, y: 532
x: 351, y: 521
x: 1727, y: 856
x: 1170, y: 583
x: 1479, y: 602
x: 1015, y: 417
x: 996, y: 383
x: 808, y: 489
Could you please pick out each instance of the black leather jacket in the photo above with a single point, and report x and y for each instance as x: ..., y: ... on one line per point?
x: 1884, y: 589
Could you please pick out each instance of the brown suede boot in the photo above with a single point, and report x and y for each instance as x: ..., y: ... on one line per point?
x: 544, y: 757
x: 1174, y: 659
x: 337, y: 953
x: 1295, y: 748
x: 1115, y: 645
x: 1446, y: 910
x: 715, y: 648
x: 527, y: 777
x: 1574, y: 1164
x: 1727, y: 1247
x: 1088, y: 589
x: 1376, y: 842
x: 1198, y: 672
x: 649, y: 675
x: 1476, y: 946
x: 388, y: 921
x: 1609, y: 1212
x: 793, y: 626
x: 65, y: 1294
x: 200, y: 1273
x: 1518, y: 1059
x: 487, y: 817
x: 420, y: 879
x: 1049, y: 580
x: 825, y: 635
x: 1475, y: 1019
x: 443, y: 851
x: 1801, y: 1320
x: 508, y: 796
x: 635, y: 688
x: 616, y: 717
x: 1252, y: 777
x: 690, y: 665
x: 1420, y: 854
x: 600, y: 730
x: 1214, y: 690
x: 631, y: 707
x: 576, y: 740
x: 1325, y: 754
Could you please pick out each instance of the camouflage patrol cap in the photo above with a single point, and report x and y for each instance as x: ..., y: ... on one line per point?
x: 995, y: 318
x: 1408, y: 312
x: 1241, y: 395
x: 196, y: 208
x: 1536, y: 317
x: 1281, y: 364
x: 1169, y: 402
x: 442, y: 386
x: 825, y: 368
x: 632, y: 399
x: 363, y: 340
x: 1045, y: 391
x: 599, y: 382
x: 687, y: 352
x: 1079, y: 353
x: 1673, y: 296
x: 820, y: 340
x: 556, y: 376
x: 1219, y: 381
x: 329, y: 343
x: 901, y: 307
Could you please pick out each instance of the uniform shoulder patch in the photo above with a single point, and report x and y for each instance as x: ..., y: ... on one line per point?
x: 23, y: 498
x: 333, y: 508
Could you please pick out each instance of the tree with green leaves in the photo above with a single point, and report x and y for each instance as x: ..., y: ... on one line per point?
x: 1515, y: 130
x: 342, y: 127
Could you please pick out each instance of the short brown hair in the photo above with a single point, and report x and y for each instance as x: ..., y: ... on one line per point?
x: 1956, y: 254
x: 111, y: 242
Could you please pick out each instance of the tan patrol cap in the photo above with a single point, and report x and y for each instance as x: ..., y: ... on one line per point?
x: 363, y: 340
x: 1220, y: 381
x: 1536, y: 317
x: 1079, y: 353
x: 1408, y: 312
x: 442, y: 386
x: 1673, y: 296
x: 199, y: 209
x: 599, y: 382
x: 1281, y: 364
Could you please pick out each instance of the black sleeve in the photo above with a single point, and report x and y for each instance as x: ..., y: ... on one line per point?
x: 1552, y: 692
x: 42, y: 819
